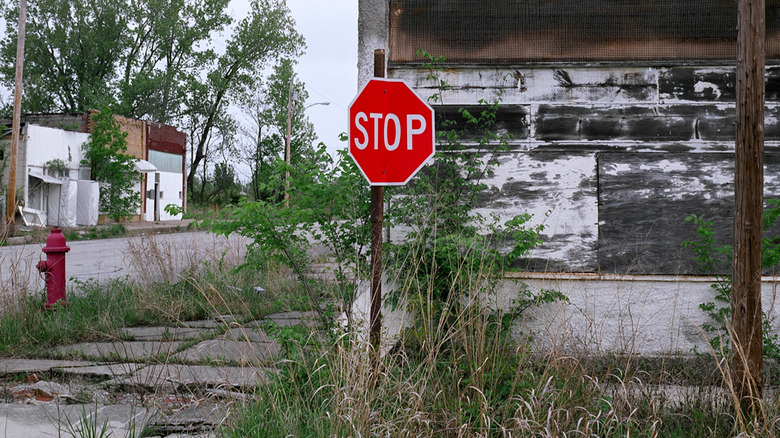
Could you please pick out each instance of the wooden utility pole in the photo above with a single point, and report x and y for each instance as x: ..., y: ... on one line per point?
x: 15, y: 125
x: 377, y: 217
x: 747, y: 354
x: 287, y: 146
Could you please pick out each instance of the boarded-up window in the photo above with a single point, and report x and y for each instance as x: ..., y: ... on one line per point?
x: 497, y: 31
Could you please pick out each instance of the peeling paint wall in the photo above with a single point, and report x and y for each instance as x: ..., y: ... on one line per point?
x: 619, y: 155
x: 373, y: 34
x: 611, y: 157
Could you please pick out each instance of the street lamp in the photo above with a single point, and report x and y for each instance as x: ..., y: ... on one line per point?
x: 287, y: 142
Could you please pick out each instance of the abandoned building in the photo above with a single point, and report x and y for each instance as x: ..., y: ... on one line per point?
x: 622, y: 123
x: 56, y: 188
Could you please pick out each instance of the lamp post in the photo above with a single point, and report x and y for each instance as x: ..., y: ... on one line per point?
x: 287, y: 142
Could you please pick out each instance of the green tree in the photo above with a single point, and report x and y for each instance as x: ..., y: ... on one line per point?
x: 105, y: 154
x: 226, y: 187
x: 169, y: 47
x: 136, y: 55
x: 72, y: 48
x: 283, y: 85
x: 266, y: 34
x: 263, y: 134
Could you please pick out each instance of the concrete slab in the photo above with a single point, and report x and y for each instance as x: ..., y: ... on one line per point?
x: 163, y: 333
x: 192, y: 419
x: 13, y: 366
x: 120, y: 418
x: 43, y: 392
x: 247, y: 334
x: 207, y: 323
x: 122, y: 350
x: 196, y: 435
x: 178, y: 376
x: 310, y: 314
x: 52, y: 420
x: 288, y: 319
x: 191, y: 435
x: 217, y: 321
x: 107, y: 371
x: 228, y: 318
x: 219, y: 351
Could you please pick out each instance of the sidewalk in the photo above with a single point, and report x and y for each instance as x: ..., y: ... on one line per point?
x: 136, y: 228
x: 175, y: 381
x: 145, y: 227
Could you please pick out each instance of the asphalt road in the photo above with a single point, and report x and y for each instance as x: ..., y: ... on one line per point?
x: 138, y: 257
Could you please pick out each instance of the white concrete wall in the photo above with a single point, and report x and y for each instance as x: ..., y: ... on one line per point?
x: 45, y: 144
x: 373, y: 34
x: 42, y: 145
x: 172, y: 193
x: 647, y: 315
x: 640, y: 315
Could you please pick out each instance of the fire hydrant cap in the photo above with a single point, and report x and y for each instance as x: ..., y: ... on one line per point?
x: 55, y: 242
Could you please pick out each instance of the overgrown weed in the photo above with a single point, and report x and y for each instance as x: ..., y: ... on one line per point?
x: 97, y: 311
x: 466, y: 383
x: 97, y: 232
x: 457, y: 371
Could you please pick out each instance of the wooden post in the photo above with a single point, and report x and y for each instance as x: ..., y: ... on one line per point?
x: 747, y: 357
x: 287, y: 146
x: 16, y: 123
x: 377, y: 217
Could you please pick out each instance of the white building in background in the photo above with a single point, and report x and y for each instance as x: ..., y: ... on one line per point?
x: 55, y: 189
x: 164, y: 186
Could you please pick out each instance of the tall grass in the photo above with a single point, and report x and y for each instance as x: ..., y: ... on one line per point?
x: 458, y: 372
x: 19, y: 280
x: 470, y: 383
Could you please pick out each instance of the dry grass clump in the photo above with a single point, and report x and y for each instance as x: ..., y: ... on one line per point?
x: 20, y: 279
x: 158, y: 258
x: 209, y: 276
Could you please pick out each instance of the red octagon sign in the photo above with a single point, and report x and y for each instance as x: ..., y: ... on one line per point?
x: 391, y: 132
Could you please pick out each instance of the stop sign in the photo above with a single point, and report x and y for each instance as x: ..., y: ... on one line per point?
x: 391, y: 132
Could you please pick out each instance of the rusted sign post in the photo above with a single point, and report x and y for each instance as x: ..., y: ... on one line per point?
x: 377, y: 218
x: 747, y: 354
x: 391, y: 137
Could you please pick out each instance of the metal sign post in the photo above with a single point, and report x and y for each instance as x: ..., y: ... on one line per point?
x: 391, y: 137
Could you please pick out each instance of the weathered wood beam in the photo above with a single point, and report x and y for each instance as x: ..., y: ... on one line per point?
x: 747, y: 354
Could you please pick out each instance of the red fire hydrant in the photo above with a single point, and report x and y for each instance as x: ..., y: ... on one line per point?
x: 54, y: 267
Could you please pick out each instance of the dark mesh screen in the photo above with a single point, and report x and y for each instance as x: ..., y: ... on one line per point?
x: 571, y: 30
